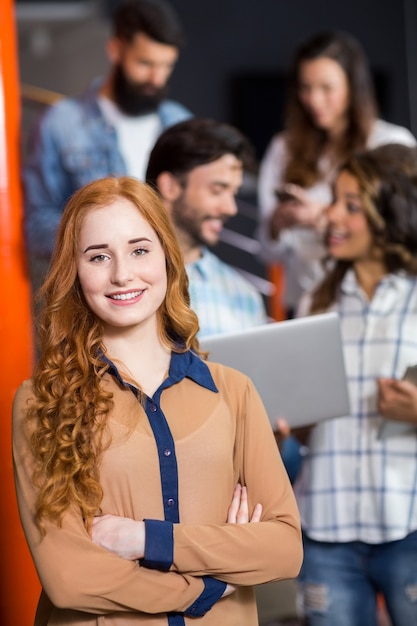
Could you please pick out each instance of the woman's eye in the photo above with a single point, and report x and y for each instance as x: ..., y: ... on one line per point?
x: 353, y: 208
x: 140, y: 252
x: 98, y: 258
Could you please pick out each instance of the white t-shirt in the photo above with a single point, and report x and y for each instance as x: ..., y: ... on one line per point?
x: 136, y: 135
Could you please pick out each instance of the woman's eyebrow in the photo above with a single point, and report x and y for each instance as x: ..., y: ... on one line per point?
x: 139, y: 239
x: 353, y: 196
x: 100, y: 246
x: 97, y: 246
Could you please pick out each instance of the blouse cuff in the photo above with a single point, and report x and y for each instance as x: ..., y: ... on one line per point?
x: 213, y: 591
x: 159, y: 545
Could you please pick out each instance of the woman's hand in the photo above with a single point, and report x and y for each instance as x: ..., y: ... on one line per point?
x: 121, y: 535
x: 283, y: 430
x: 238, y: 512
x: 126, y: 537
x: 397, y: 400
x: 301, y: 210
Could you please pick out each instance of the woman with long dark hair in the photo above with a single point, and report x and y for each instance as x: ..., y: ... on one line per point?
x: 331, y: 112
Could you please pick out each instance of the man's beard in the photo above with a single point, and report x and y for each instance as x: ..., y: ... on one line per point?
x: 130, y: 96
x: 187, y: 221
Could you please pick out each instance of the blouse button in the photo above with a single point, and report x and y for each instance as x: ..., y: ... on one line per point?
x: 167, y: 452
x: 171, y: 502
x: 152, y: 408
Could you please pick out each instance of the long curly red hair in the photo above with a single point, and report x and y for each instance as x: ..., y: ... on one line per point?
x: 70, y: 406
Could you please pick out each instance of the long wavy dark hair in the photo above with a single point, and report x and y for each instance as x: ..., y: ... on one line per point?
x: 387, y: 179
x: 306, y: 142
x: 70, y: 406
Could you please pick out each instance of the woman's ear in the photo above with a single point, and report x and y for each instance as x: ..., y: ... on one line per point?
x: 169, y: 187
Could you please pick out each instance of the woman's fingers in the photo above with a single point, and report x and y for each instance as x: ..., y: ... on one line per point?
x: 257, y: 513
x: 238, y: 512
x: 243, y: 512
x: 234, y: 505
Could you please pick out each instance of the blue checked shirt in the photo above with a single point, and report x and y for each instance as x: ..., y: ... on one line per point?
x: 223, y: 300
x: 353, y: 485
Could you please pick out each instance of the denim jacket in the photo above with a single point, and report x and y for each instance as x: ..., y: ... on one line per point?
x: 73, y: 145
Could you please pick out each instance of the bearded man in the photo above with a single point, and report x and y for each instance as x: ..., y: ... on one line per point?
x: 109, y: 130
x: 197, y: 166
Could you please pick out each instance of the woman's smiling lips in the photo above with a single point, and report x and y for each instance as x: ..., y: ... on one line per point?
x: 125, y: 297
x: 335, y: 237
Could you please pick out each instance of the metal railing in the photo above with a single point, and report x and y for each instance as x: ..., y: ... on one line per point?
x: 38, y: 95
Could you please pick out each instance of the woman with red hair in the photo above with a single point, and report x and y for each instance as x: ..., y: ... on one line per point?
x: 138, y: 464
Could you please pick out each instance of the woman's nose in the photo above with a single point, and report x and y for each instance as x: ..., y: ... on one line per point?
x: 122, y: 273
x: 334, y: 212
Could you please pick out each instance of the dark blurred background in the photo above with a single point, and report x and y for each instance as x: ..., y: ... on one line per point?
x: 233, y: 67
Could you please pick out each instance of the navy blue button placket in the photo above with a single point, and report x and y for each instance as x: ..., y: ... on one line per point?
x: 168, y: 470
x: 182, y: 365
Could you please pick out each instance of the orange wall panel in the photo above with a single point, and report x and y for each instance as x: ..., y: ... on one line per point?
x: 19, y: 585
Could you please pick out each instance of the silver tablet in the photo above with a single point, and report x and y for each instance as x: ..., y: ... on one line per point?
x: 297, y: 366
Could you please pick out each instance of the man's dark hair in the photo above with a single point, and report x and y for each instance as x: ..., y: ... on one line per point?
x: 197, y: 141
x: 155, y: 18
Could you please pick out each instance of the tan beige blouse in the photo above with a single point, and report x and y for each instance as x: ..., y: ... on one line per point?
x: 221, y: 435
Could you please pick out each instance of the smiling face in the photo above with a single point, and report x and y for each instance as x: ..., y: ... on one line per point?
x: 121, y: 267
x: 349, y: 236
x: 207, y: 201
x: 323, y: 90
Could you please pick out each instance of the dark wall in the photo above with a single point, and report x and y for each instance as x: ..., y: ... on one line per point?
x: 237, y: 48
x: 234, y: 65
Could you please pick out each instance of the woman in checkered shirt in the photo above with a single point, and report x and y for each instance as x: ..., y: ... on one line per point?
x: 357, y: 491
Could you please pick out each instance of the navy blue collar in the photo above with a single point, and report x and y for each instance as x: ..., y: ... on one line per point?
x: 183, y: 365
x: 187, y: 364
